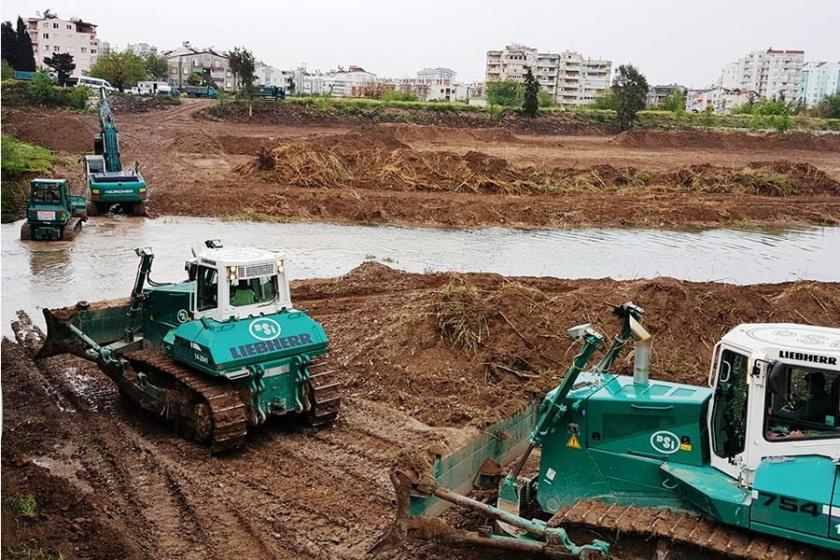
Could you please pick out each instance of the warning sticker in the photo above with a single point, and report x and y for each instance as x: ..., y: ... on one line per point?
x: 573, y: 442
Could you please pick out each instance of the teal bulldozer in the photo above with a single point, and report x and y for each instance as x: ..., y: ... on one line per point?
x: 215, y: 354
x: 107, y: 181
x: 52, y: 213
x: 747, y: 467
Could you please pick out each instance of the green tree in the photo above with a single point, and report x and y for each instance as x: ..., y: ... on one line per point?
x: 156, y: 67
x: 531, y: 103
x: 8, y: 43
x: 829, y: 107
x: 242, y: 66
x: 8, y: 73
x: 24, y: 57
x: 545, y: 99
x: 606, y: 101
x: 292, y: 85
x: 63, y: 65
x: 630, y: 89
x: 122, y: 69
x: 506, y: 93
x: 42, y: 88
x: 194, y: 79
x: 675, y: 102
x: 765, y: 107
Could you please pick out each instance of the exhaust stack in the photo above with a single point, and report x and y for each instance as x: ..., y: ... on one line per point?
x: 641, y: 357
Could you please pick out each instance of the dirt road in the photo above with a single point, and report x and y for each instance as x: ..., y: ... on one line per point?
x: 467, y: 177
x: 110, y: 482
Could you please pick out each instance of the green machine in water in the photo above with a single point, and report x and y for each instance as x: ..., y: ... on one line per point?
x: 214, y: 354
x: 107, y: 181
x: 744, y: 466
x: 52, y: 213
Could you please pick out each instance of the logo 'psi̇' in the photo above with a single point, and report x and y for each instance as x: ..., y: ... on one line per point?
x: 264, y: 329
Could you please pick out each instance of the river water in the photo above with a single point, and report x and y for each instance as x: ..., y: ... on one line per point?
x: 101, y: 264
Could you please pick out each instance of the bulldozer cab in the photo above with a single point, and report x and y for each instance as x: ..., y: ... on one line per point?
x: 237, y: 283
x: 49, y: 192
x: 776, y: 393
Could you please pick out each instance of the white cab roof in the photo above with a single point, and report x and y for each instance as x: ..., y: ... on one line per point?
x: 799, y: 342
x: 236, y: 256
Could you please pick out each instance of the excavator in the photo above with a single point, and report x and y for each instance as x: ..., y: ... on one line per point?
x: 108, y: 182
x: 748, y: 467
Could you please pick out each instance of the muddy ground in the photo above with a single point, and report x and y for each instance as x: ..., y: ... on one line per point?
x: 426, y: 360
x: 471, y: 175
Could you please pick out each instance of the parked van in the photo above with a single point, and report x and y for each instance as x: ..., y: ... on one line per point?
x: 154, y: 88
x: 95, y: 83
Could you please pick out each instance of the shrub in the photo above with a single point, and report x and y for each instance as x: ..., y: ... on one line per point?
x: 506, y: 93
x: 42, y: 88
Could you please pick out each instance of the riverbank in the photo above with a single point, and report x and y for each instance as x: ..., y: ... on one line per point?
x: 425, y: 361
x: 469, y: 175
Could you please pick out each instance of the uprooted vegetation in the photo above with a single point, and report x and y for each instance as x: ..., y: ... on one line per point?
x: 378, y: 159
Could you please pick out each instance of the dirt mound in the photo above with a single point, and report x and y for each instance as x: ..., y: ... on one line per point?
x: 728, y: 140
x: 197, y: 143
x: 127, y: 103
x: 246, y: 145
x: 59, y: 130
x: 375, y: 158
x: 433, y: 134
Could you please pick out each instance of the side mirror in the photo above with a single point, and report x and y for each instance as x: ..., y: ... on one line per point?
x: 776, y: 379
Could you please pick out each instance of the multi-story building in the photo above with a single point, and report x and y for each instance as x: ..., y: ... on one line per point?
x: 268, y: 75
x: 186, y: 59
x: 353, y: 81
x: 52, y: 35
x: 819, y: 79
x: 774, y: 74
x: 570, y: 78
x: 657, y: 94
x: 718, y: 99
x: 430, y: 84
x: 141, y: 49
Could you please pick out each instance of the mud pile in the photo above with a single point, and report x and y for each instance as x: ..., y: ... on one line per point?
x: 714, y: 140
x: 377, y: 158
x: 56, y: 129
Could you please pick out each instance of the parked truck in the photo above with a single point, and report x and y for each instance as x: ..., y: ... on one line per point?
x: 208, y: 92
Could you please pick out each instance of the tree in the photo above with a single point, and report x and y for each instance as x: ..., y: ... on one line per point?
x: 24, y: 57
x: 156, y: 67
x: 829, y: 107
x: 194, y: 79
x: 242, y: 66
x: 42, y: 89
x: 630, y: 89
x: 63, y: 65
x: 675, y: 102
x: 291, y: 85
x: 531, y: 103
x: 122, y: 69
x: 545, y: 99
x: 8, y: 43
x: 507, y: 93
x: 606, y: 100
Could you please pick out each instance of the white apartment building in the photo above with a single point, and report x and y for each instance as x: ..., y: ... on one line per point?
x: 141, y: 49
x: 720, y: 100
x: 349, y: 82
x: 186, y: 59
x: 430, y: 84
x: 774, y: 74
x: 267, y: 75
x: 819, y: 79
x: 52, y: 35
x: 570, y: 78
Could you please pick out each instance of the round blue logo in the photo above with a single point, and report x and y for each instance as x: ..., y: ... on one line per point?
x: 264, y: 329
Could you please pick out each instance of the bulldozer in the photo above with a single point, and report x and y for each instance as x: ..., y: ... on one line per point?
x: 215, y: 354
x: 107, y: 181
x: 52, y: 213
x: 748, y: 467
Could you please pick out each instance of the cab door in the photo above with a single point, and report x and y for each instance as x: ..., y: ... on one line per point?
x: 834, y: 508
x: 728, y: 415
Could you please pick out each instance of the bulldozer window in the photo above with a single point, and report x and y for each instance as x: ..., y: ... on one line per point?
x: 807, y: 408
x: 46, y: 194
x: 729, y: 418
x: 253, y: 290
x: 208, y: 288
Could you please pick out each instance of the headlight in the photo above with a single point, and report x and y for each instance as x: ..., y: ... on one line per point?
x: 232, y: 272
x: 280, y: 266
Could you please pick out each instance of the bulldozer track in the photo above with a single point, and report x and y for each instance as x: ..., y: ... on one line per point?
x: 219, y: 413
x: 324, y: 397
x: 684, y: 530
x: 73, y: 227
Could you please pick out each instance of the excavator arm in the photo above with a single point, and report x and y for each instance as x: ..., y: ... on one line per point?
x: 108, y: 136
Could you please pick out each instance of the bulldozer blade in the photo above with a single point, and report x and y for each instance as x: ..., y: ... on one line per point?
x: 102, y: 323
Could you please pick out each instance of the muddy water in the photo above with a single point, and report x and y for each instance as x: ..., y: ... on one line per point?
x: 101, y: 263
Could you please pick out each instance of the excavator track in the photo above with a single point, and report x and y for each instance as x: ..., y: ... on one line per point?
x: 681, y: 530
x: 324, y: 396
x: 211, y: 410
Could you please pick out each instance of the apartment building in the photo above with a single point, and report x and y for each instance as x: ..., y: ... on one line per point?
x: 141, y: 49
x: 353, y: 81
x: 186, y: 59
x: 430, y: 84
x: 657, y: 94
x: 774, y: 74
x: 819, y: 79
x: 52, y: 35
x: 268, y: 75
x: 570, y: 78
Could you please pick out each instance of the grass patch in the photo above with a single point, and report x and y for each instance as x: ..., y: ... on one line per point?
x: 30, y: 550
x: 23, y: 505
x: 20, y: 157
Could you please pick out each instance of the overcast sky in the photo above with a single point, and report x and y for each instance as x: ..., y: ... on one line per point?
x: 669, y: 40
